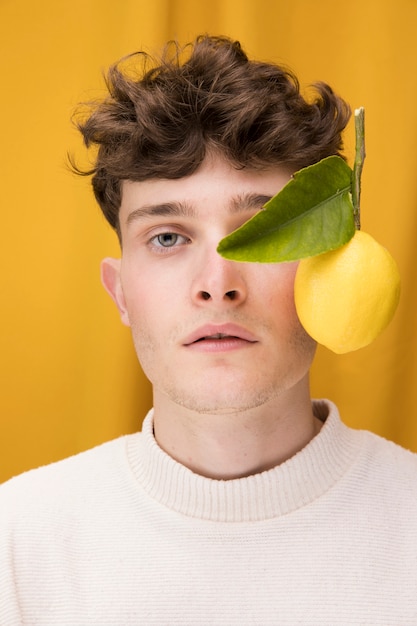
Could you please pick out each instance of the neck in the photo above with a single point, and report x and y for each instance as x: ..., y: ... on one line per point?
x: 228, y: 445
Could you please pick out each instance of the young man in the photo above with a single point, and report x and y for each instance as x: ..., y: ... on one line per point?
x: 242, y: 501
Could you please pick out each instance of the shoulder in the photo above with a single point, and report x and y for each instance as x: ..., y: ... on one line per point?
x: 372, y: 469
x: 390, y: 455
x: 65, y: 480
x: 393, y: 462
x: 371, y: 451
x: 384, y: 478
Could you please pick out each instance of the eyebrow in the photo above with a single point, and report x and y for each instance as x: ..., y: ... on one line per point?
x: 174, y: 209
x: 248, y: 202
x: 240, y: 203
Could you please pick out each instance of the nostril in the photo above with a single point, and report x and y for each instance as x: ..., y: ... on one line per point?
x: 230, y: 295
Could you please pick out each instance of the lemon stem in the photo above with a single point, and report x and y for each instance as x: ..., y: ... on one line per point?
x: 358, y: 164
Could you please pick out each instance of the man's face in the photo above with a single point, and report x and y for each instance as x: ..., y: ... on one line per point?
x: 212, y: 335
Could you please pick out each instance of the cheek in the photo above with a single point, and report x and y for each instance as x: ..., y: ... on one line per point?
x: 134, y: 286
x: 152, y: 304
x: 280, y: 288
x: 138, y: 287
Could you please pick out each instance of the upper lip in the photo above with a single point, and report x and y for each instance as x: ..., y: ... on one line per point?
x: 219, y: 331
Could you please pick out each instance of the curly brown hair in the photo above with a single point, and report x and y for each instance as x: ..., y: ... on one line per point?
x: 162, y: 117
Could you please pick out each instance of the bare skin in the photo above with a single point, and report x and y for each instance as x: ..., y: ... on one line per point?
x: 234, y: 445
x: 220, y: 341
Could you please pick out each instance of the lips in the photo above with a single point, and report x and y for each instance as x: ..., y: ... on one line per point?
x: 220, y: 332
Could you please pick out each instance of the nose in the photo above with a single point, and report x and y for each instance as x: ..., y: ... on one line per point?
x: 218, y: 281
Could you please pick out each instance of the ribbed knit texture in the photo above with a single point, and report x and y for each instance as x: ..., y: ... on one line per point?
x: 124, y: 535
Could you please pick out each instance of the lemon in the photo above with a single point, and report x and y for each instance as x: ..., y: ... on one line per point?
x: 346, y: 297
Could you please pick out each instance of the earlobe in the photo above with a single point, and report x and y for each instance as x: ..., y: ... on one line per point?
x: 110, y: 278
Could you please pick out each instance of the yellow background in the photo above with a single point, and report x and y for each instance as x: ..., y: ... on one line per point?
x: 69, y: 377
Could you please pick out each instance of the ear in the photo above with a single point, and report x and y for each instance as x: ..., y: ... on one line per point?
x: 110, y: 278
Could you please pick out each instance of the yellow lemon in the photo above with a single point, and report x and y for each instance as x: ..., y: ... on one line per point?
x: 346, y: 297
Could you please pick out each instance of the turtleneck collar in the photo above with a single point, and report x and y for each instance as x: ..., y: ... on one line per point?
x: 275, y: 492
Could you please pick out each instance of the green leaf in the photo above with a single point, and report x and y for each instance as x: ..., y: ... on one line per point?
x: 312, y: 214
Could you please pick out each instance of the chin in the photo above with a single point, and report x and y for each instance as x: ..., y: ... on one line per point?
x: 217, y: 406
x: 217, y: 397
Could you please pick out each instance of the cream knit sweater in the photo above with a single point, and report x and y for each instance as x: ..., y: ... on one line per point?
x: 123, y: 535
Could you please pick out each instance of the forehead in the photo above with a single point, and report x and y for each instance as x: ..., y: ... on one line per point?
x: 216, y: 184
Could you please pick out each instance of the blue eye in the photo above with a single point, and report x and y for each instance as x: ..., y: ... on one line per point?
x: 167, y: 240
